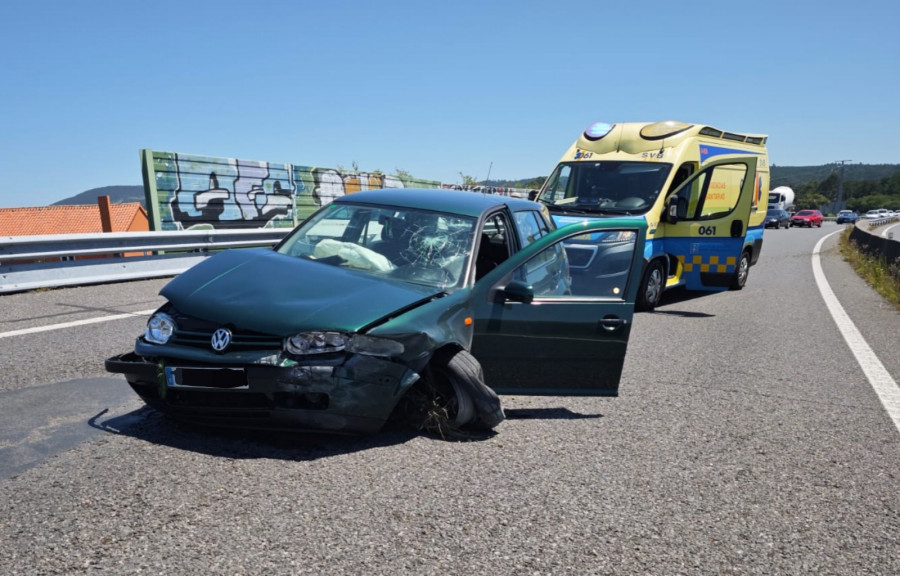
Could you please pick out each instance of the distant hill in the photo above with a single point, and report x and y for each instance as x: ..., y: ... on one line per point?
x: 798, y: 176
x: 117, y: 195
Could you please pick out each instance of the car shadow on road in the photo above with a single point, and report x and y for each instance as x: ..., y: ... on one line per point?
x: 154, y: 427
x: 547, y: 414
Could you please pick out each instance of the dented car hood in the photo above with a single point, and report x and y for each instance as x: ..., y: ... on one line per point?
x: 272, y: 293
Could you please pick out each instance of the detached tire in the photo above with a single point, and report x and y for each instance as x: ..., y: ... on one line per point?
x: 452, y: 398
x: 653, y: 282
x: 742, y: 272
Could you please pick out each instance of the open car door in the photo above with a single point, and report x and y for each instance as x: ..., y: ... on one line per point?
x: 539, y: 331
x: 707, y: 219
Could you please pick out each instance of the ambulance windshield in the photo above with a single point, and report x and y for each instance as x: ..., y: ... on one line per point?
x: 608, y: 187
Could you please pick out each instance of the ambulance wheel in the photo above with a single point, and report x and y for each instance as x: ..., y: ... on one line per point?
x: 652, y: 285
x: 743, y: 270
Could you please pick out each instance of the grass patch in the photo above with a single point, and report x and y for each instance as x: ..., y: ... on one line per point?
x: 883, y: 276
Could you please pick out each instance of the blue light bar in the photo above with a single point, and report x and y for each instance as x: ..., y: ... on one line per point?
x: 598, y: 130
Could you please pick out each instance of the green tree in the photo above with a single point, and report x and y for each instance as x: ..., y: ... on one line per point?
x: 810, y: 201
x: 829, y: 186
x: 873, y: 201
x: 532, y: 183
x: 468, y: 180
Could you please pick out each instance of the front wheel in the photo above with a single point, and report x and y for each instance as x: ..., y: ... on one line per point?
x: 451, y: 398
x: 742, y: 272
x: 652, y: 285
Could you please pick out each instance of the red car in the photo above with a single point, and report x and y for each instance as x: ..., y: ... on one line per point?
x: 807, y: 218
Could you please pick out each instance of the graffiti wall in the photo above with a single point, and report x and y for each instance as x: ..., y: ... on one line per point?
x: 186, y: 191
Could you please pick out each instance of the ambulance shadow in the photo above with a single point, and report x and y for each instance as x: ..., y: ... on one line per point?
x: 677, y: 296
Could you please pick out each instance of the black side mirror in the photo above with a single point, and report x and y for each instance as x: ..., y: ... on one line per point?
x: 518, y: 291
x: 672, y: 210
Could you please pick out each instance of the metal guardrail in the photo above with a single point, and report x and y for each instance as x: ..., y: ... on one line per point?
x: 31, y: 262
x: 879, y: 221
x: 884, y: 246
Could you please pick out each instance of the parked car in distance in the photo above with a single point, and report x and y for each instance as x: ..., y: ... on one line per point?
x: 808, y: 218
x: 418, y: 306
x: 873, y: 215
x: 777, y: 218
x: 847, y: 217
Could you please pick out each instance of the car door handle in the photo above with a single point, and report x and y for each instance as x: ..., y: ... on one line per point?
x: 611, y: 323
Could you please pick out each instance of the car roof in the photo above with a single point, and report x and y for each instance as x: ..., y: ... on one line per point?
x: 438, y: 199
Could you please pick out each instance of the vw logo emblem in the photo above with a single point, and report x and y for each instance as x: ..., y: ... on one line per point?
x: 220, y: 340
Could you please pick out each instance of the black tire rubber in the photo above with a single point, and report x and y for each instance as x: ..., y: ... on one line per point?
x: 742, y: 272
x: 451, y: 398
x: 653, y: 283
x: 464, y: 374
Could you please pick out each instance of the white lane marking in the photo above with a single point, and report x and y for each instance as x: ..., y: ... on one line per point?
x: 50, y: 327
x: 887, y: 231
x: 879, y: 378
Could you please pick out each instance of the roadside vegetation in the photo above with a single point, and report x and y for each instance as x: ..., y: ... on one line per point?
x: 865, y: 186
x: 883, y: 276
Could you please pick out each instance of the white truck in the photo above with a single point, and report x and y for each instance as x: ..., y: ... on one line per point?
x: 781, y: 197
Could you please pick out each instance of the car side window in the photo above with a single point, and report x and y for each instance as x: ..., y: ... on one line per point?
x: 530, y: 226
x: 712, y: 193
x: 493, y: 246
x: 597, y: 265
x: 546, y: 273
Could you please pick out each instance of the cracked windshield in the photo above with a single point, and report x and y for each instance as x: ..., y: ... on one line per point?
x: 429, y: 248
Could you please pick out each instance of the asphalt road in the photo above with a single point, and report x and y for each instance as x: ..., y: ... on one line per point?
x: 747, y: 440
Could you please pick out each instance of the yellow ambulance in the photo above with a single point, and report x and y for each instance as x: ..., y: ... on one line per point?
x: 702, y: 191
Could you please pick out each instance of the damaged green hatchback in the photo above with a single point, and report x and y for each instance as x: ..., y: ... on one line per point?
x: 415, y: 305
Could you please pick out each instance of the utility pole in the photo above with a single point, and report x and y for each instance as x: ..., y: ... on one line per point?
x: 840, y: 197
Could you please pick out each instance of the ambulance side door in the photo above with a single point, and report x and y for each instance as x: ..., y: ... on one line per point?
x: 706, y: 222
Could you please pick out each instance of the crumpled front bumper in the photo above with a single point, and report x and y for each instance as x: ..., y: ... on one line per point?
x: 350, y: 394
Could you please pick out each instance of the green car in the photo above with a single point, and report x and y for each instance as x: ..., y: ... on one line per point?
x: 412, y: 305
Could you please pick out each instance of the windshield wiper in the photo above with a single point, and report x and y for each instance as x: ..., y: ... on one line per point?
x: 582, y: 210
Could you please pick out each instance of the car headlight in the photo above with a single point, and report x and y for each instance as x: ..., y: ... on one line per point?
x: 160, y: 328
x: 323, y: 342
x: 316, y: 342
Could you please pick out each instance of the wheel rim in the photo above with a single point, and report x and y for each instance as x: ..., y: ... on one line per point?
x: 743, y: 269
x: 654, y: 285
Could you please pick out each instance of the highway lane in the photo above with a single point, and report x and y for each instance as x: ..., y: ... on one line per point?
x: 747, y: 440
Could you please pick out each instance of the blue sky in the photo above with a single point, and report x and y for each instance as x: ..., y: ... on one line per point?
x: 432, y: 88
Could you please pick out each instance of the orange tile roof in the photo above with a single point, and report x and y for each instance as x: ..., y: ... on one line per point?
x: 70, y: 219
